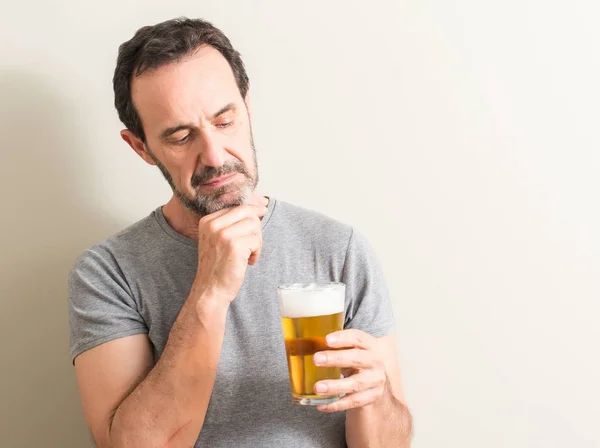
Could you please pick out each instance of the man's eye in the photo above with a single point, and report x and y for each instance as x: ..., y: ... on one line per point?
x: 224, y: 124
x: 183, y: 140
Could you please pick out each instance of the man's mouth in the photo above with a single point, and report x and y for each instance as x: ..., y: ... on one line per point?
x: 219, y: 181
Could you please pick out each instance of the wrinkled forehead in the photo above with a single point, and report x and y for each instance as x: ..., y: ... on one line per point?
x: 184, y: 90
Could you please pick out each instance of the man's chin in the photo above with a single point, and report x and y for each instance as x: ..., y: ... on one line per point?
x: 217, y: 201
x: 232, y: 198
x: 229, y: 198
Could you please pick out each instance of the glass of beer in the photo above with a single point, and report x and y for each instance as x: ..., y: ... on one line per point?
x: 309, y: 312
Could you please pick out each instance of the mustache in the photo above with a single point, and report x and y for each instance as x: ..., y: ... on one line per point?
x: 209, y: 173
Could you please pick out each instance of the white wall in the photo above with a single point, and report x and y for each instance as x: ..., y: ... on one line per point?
x: 459, y: 136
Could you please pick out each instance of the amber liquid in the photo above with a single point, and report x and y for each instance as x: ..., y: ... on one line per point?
x: 305, y: 336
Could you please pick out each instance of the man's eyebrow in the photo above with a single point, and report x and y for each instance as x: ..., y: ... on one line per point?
x: 227, y: 108
x: 180, y: 127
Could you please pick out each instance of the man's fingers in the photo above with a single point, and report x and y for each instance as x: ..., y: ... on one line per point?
x: 258, y: 199
x: 253, y: 245
x: 350, y: 338
x: 244, y: 237
x: 249, y: 225
x: 226, y: 217
x: 364, y: 380
x: 352, y: 401
x: 354, y: 358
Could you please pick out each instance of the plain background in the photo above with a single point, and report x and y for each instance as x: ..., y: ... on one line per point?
x: 461, y: 137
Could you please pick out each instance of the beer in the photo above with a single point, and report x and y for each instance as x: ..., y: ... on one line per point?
x: 309, y: 312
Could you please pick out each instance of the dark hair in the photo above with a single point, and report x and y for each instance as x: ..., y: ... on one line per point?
x: 161, y: 44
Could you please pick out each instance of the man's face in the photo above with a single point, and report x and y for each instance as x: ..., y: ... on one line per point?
x: 198, y: 131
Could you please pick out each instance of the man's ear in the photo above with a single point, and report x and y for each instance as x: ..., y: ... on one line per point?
x: 137, y: 145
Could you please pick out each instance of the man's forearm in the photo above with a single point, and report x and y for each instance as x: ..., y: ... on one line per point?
x: 168, y: 407
x: 385, y: 423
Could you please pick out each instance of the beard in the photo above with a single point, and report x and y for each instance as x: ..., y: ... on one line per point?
x: 226, y: 196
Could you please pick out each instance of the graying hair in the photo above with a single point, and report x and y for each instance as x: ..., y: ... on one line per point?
x: 161, y: 44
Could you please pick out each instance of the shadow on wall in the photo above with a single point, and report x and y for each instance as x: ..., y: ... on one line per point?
x: 47, y: 220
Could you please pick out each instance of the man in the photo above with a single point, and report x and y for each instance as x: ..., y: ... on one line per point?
x: 175, y: 327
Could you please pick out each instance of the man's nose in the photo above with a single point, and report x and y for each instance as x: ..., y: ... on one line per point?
x: 212, y: 151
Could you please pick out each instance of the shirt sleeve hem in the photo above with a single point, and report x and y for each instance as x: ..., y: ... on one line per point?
x: 378, y: 332
x: 79, y: 349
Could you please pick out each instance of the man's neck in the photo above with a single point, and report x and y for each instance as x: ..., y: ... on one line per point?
x: 181, y: 219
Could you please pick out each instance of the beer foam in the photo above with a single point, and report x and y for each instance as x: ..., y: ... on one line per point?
x: 311, y: 299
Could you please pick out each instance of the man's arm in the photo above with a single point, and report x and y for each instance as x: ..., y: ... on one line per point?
x: 387, y: 422
x: 376, y: 415
x: 129, y: 403
x: 126, y: 401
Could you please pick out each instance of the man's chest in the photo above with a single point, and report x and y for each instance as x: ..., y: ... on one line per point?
x: 251, y: 399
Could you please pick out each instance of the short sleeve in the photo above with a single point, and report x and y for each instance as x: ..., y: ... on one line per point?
x: 101, y: 307
x: 368, y: 306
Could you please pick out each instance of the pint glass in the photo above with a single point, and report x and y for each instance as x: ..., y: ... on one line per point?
x: 309, y: 312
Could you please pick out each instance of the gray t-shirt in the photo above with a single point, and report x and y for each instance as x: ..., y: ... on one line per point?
x: 137, y: 281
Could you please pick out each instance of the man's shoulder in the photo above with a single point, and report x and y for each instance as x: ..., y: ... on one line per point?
x: 298, y: 222
x: 131, y: 241
x: 305, y: 218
